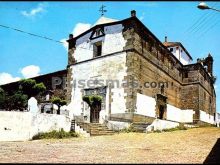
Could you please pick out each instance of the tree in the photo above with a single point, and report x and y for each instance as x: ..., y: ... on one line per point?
x: 19, y: 98
x: 39, y: 88
x: 31, y: 88
x: 94, y: 101
x: 18, y: 101
x: 59, y: 102
x: 2, y: 98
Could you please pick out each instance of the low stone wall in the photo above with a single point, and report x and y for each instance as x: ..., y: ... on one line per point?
x: 21, y: 126
x: 117, y: 125
x: 161, y: 125
x: 207, y: 118
x: 137, y: 118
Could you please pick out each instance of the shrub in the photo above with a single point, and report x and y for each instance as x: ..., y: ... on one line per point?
x: 129, y: 129
x: 55, y: 135
x: 181, y: 127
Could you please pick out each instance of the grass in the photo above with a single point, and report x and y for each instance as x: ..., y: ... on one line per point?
x: 132, y: 129
x: 128, y: 130
x: 181, y: 127
x: 55, y: 135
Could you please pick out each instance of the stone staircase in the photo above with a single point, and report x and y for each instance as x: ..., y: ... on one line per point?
x: 95, y: 129
x: 140, y: 127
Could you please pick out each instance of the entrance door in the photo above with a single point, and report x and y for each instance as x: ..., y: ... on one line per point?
x: 94, y: 115
x: 161, y: 112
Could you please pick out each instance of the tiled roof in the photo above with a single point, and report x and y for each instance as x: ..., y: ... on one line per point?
x: 171, y: 44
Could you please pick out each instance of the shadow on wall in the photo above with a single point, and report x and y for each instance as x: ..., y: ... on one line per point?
x: 214, y: 155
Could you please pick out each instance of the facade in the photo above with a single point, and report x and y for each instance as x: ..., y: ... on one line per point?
x: 139, y: 77
x: 159, y: 79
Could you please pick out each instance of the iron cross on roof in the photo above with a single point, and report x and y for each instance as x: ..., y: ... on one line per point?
x: 102, y: 10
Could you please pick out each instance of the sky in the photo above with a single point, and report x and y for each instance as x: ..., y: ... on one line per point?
x: 25, y: 56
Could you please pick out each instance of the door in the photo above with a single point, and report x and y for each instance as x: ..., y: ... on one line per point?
x: 161, y: 112
x: 94, y: 115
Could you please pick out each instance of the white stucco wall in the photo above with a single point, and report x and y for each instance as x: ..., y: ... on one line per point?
x: 101, y: 69
x: 176, y: 114
x: 80, y: 131
x: 21, y: 126
x: 217, y: 119
x: 181, y: 55
x: 146, y: 105
x: 117, y: 125
x: 205, y: 117
x: 113, y: 41
x: 161, y: 125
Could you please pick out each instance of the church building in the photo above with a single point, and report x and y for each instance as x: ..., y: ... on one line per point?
x: 139, y: 77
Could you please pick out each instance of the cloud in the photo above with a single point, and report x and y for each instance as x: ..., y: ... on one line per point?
x: 80, y: 28
x: 33, y: 12
x: 30, y: 71
x: 142, y: 16
x: 65, y: 44
x: 77, y: 30
x: 6, y: 78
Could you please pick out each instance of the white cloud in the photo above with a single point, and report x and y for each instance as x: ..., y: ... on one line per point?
x: 6, y: 78
x: 33, y: 12
x: 80, y: 28
x: 77, y: 30
x: 30, y: 71
x: 142, y: 16
x: 65, y: 44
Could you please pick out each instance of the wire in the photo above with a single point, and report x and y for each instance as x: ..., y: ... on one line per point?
x: 213, y: 25
x: 203, y: 20
x: 44, y: 37
x: 36, y: 35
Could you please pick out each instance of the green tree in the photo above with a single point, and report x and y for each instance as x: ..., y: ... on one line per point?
x: 18, y: 101
x: 59, y: 102
x: 2, y: 98
x: 94, y: 101
x: 30, y: 88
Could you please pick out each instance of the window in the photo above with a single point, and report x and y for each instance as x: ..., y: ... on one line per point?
x: 97, y: 49
x: 186, y: 75
x: 171, y: 49
x: 98, y: 32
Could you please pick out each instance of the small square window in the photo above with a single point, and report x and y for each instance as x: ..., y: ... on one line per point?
x: 171, y: 49
x: 97, y: 49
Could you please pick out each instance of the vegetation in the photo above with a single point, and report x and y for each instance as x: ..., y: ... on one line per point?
x: 129, y: 129
x: 59, y: 102
x: 18, y: 99
x: 94, y: 101
x: 181, y: 127
x: 2, y: 97
x: 56, y: 135
x: 31, y: 88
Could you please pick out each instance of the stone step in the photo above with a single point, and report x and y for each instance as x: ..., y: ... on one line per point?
x: 140, y: 127
x: 96, y: 129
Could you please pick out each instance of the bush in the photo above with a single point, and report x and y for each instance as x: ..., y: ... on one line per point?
x: 55, y: 135
x: 181, y: 127
x: 129, y: 129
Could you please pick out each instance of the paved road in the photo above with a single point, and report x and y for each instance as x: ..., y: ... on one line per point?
x: 187, y: 146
